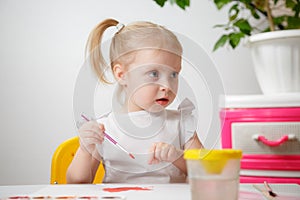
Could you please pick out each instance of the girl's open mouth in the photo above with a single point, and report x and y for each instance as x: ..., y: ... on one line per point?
x: 162, y: 101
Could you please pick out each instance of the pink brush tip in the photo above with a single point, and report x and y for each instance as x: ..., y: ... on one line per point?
x: 131, y: 156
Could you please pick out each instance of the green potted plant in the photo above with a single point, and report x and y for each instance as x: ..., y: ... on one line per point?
x: 271, y: 29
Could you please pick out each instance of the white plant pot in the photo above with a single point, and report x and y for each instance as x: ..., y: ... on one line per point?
x: 276, y: 59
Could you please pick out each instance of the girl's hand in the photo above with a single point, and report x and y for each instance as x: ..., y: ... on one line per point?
x: 163, y: 152
x: 90, y: 134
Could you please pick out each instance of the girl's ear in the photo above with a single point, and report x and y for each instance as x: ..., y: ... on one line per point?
x: 119, y: 74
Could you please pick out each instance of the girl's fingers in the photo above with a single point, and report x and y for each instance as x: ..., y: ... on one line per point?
x: 165, y: 148
x: 101, y: 133
x: 90, y: 134
x: 163, y: 152
x: 152, y: 159
x: 94, y: 128
x: 158, y: 152
x: 91, y: 140
x: 101, y: 126
x: 91, y: 126
x: 172, y: 153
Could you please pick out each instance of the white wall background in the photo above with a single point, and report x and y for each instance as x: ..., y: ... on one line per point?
x: 42, y: 47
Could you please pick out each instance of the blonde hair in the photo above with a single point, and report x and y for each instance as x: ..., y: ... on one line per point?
x: 127, y: 40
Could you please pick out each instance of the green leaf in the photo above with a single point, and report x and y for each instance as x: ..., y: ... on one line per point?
x: 221, y: 3
x: 297, y: 9
x: 293, y: 23
x: 172, y: 1
x: 221, y: 42
x: 219, y: 26
x: 294, y: 5
x: 233, y: 12
x: 244, y: 26
x: 161, y: 3
x: 254, y: 13
x: 279, y: 20
x: 183, y: 3
x: 290, y: 3
x: 234, y: 39
x: 245, y: 1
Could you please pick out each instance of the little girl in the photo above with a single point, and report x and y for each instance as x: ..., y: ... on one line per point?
x: 145, y: 60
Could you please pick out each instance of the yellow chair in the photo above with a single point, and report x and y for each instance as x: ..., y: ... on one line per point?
x: 62, y: 158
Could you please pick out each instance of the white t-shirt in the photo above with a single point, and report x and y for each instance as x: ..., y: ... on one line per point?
x: 136, y: 132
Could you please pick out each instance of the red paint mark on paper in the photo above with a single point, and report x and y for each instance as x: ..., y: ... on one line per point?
x: 122, y: 189
x: 131, y: 156
x: 65, y: 197
x: 19, y: 197
x: 87, y: 197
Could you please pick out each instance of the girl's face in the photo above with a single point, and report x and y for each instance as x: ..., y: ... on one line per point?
x: 151, y: 80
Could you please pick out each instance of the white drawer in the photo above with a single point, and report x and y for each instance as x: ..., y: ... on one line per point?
x: 266, y: 137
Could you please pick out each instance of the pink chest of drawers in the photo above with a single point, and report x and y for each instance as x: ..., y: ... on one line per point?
x: 267, y: 129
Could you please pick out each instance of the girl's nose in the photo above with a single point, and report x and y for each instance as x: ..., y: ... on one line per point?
x: 166, y: 84
x: 164, y: 88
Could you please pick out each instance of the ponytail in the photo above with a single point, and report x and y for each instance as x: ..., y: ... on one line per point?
x: 93, y: 47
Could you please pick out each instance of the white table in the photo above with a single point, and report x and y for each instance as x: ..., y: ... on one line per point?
x: 157, y: 192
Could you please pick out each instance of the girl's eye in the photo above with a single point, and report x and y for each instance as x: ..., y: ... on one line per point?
x: 153, y: 74
x: 174, y: 75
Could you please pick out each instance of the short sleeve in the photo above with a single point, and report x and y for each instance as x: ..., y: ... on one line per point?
x: 187, y: 121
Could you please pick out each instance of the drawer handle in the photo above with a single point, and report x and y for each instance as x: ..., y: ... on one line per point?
x: 274, y: 143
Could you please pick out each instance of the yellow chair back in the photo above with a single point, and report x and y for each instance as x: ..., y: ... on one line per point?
x: 62, y: 158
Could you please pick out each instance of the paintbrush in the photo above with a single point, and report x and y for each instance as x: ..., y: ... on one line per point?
x: 111, y: 139
x: 267, y: 191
